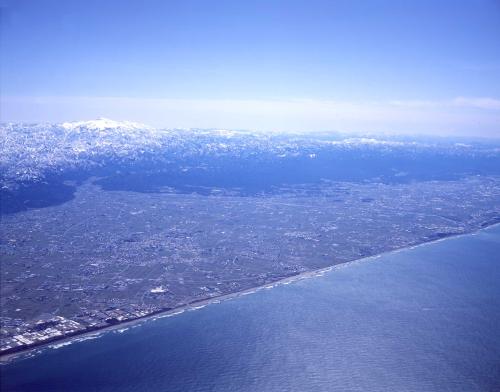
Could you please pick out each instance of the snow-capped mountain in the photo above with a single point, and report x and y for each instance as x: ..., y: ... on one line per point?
x: 102, y: 124
x: 30, y: 152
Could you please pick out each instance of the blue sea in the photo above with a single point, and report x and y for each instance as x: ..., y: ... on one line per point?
x: 421, y: 319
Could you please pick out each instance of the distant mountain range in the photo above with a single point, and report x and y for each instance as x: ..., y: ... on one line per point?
x: 33, y: 152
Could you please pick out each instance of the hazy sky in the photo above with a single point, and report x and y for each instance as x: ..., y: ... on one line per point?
x: 392, y: 66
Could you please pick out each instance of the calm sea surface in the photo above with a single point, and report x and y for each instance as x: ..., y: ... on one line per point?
x: 422, y: 319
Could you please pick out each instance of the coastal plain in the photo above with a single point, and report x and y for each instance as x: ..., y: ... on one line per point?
x: 108, y: 257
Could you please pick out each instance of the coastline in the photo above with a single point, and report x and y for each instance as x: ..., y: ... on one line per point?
x: 198, y: 304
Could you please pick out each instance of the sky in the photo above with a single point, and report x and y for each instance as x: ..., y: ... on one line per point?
x: 371, y: 66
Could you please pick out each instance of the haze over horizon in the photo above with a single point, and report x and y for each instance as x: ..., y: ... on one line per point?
x: 380, y: 66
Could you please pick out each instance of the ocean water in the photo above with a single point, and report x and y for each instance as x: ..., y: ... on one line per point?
x: 421, y: 319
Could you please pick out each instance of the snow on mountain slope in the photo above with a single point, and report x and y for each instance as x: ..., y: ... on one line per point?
x: 31, y: 151
x: 102, y: 124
